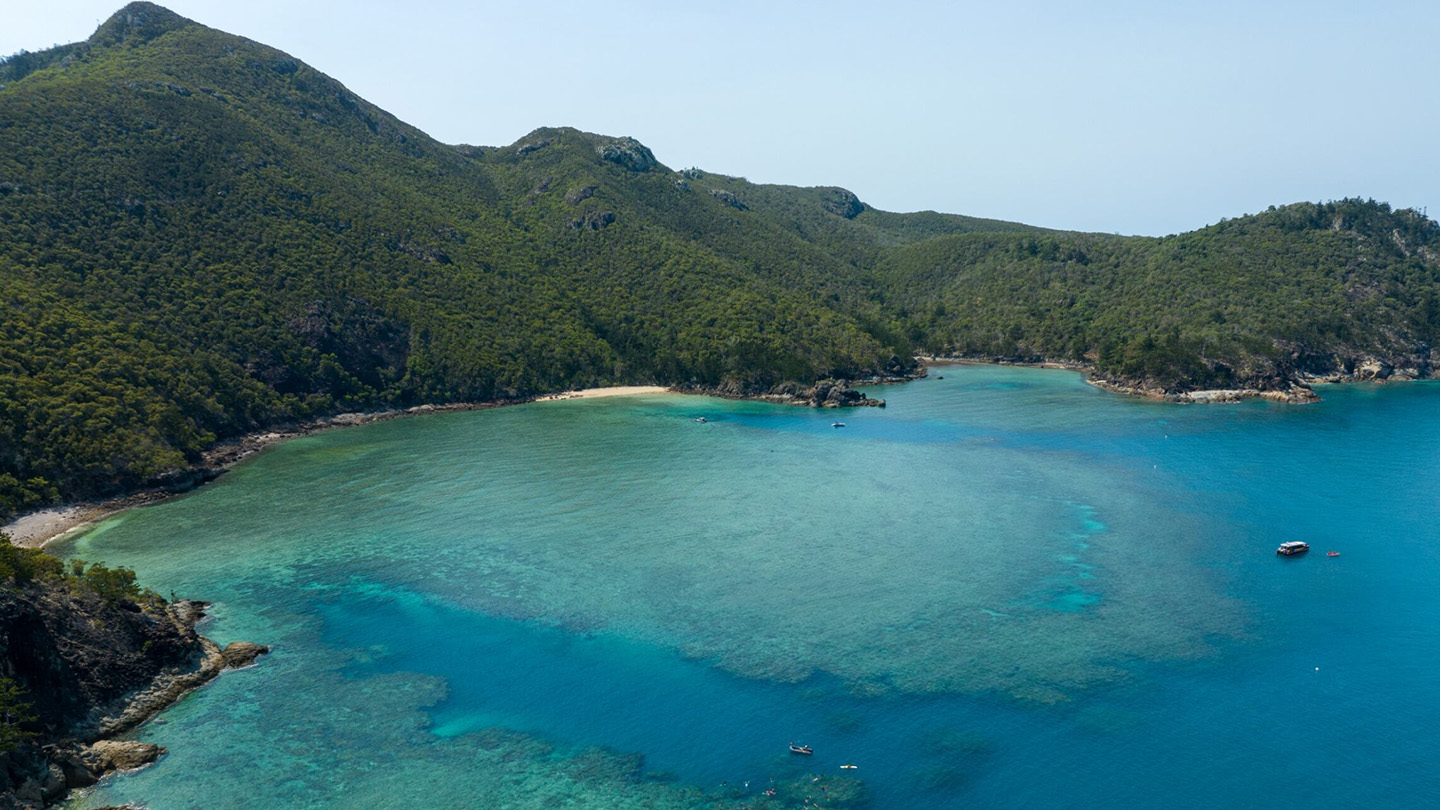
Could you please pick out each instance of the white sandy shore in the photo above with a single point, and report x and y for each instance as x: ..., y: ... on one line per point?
x: 613, y: 391
x: 39, y: 529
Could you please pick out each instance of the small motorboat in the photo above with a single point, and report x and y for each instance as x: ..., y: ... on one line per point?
x: 1332, y: 554
x: 1292, y: 548
x: 702, y: 420
x: 848, y: 767
x: 837, y: 424
x: 801, y: 749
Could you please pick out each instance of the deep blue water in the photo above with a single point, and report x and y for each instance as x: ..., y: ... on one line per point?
x: 1007, y: 589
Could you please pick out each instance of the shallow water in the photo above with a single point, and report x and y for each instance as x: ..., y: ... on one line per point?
x: 1006, y: 589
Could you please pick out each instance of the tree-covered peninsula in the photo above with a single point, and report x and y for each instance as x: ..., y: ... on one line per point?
x: 201, y: 236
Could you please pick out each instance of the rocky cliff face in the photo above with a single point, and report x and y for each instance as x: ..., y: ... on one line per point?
x: 91, y: 668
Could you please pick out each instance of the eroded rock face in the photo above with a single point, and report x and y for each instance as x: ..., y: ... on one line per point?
x: 629, y: 153
x: 1373, y: 368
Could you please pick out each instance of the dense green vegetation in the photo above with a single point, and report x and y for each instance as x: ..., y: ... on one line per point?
x: 25, y: 566
x: 200, y: 235
x: 1252, y: 301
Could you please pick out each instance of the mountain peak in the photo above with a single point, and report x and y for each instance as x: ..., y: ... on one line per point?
x: 137, y: 22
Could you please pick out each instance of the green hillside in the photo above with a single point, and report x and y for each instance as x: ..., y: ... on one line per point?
x: 201, y: 235
x: 1262, y: 302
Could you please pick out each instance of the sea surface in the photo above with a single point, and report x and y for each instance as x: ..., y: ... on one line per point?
x: 1008, y: 589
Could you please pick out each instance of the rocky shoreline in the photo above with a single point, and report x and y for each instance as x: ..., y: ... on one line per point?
x: 832, y: 393
x: 1296, y: 389
x: 92, y: 670
x: 1296, y: 395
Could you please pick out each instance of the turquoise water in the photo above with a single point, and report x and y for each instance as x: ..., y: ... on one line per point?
x: 1008, y: 589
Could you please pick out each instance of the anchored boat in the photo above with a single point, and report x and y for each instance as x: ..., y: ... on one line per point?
x: 1292, y: 548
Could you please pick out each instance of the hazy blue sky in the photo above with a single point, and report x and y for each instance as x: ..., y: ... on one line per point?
x: 1133, y: 117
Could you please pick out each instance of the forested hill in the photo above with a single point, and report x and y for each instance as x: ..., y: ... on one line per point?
x: 1266, y: 302
x: 201, y: 235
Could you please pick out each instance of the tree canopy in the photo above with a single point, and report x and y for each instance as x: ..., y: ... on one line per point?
x: 201, y: 235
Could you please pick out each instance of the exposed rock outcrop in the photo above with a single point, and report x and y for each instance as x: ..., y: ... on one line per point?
x: 843, y: 203
x: 593, y: 221
x: 822, y: 394
x: 91, y: 668
x: 533, y: 146
x: 574, y: 196
x: 119, y: 755
x: 629, y: 153
x: 837, y: 394
x: 240, y: 654
x: 1373, y: 368
x: 729, y: 199
x: 1296, y: 394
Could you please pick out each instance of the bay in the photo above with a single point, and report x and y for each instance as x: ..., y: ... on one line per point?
x: 1006, y: 589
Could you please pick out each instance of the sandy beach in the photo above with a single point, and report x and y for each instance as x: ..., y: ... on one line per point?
x: 39, y: 529
x: 613, y: 391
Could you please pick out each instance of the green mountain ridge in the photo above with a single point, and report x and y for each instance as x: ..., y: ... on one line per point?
x: 201, y: 235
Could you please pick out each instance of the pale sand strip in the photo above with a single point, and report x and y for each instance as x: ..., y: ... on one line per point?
x: 613, y: 391
x: 39, y: 529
